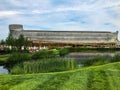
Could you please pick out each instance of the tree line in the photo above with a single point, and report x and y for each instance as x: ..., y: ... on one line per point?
x: 16, y: 44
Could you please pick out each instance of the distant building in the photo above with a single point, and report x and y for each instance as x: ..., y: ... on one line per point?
x: 67, y: 38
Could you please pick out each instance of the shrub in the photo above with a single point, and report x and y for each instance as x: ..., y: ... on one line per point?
x: 45, y: 54
x: 63, y: 51
x: 55, y: 52
x: 15, y: 58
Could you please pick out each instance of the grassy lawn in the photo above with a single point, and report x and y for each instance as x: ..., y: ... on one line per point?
x: 104, y: 77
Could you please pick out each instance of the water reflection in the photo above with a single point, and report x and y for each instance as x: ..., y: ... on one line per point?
x: 79, y: 56
x: 3, y: 70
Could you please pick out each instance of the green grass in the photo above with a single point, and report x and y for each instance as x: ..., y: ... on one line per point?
x: 104, y: 77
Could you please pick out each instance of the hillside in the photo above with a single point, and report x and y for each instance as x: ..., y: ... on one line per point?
x: 104, y: 77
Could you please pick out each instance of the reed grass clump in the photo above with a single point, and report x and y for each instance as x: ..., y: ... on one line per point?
x: 116, y: 58
x: 97, y: 60
x: 47, y: 65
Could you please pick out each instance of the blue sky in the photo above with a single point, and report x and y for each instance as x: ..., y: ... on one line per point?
x: 68, y: 15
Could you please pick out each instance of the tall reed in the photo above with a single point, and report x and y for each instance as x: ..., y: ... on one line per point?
x: 48, y: 65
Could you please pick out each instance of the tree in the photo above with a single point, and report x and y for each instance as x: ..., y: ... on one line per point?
x: 11, y: 41
x: 22, y: 42
x: 18, y: 43
x: 2, y: 42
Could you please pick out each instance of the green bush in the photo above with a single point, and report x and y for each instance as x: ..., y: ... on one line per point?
x: 46, y: 65
x: 97, y: 60
x: 19, y: 57
x: 15, y: 58
x: 55, y: 52
x: 45, y: 54
x: 63, y: 51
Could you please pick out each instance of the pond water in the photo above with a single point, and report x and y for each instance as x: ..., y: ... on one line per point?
x: 79, y: 56
x: 3, y: 70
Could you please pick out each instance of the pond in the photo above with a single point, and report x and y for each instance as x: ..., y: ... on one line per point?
x: 79, y: 56
x: 3, y: 70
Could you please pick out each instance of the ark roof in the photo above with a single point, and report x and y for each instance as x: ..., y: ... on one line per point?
x: 66, y: 31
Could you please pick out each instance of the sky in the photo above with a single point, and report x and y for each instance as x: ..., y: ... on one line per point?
x: 65, y: 15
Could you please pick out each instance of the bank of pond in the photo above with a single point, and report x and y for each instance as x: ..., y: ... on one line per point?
x: 54, y: 60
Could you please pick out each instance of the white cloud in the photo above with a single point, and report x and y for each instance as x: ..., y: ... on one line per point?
x: 8, y: 13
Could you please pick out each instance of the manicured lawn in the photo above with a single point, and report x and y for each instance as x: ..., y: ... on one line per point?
x: 104, y: 77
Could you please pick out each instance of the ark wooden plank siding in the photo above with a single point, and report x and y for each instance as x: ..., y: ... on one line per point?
x: 77, y: 38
